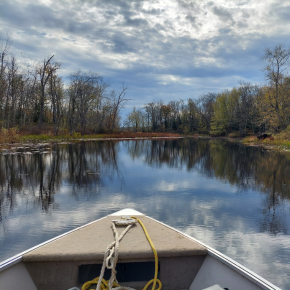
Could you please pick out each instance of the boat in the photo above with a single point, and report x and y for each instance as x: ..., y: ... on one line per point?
x: 77, y: 257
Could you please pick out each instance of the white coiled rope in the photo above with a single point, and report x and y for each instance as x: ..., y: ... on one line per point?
x: 112, y: 253
x: 111, y: 258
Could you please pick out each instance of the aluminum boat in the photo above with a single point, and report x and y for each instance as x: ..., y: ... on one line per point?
x: 76, y: 257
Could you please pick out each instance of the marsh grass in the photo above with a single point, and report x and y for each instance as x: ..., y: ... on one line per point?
x: 280, y: 140
x: 235, y: 134
x: 250, y: 139
x: 9, y: 135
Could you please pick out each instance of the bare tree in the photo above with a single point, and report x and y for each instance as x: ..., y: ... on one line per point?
x: 5, y: 45
x: 86, y: 101
x: 204, y: 107
x: 45, y: 71
x: 56, y: 93
x: 151, y: 112
x: 118, y: 100
x: 12, y: 77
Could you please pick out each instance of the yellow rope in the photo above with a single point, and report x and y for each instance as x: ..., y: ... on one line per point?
x: 104, y: 284
x: 155, y: 256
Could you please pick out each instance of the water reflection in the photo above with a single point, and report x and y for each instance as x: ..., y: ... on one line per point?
x: 245, y: 167
x: 84, y: 164
x: 216, y: 190
x: 39, y: 176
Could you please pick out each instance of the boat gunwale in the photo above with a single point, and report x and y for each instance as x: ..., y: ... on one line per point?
x: 18, y: 257
x: 252, y: 276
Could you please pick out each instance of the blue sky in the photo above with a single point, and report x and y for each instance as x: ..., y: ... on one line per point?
x: 161, y: 50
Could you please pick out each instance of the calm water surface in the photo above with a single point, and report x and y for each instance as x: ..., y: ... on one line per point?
x: 231, y: 197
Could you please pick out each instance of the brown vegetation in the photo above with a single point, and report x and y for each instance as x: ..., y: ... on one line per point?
x: 9, y: 135
x: 140, y: 135
x: 279, y: 140
x: 48, y: 130
x: 234, y: 134
x: 46, y: 134
x: 250, y: 139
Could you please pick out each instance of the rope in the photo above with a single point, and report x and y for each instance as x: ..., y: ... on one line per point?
x: 112, y: 254
x: 111, y: 258
x: 155, y: 256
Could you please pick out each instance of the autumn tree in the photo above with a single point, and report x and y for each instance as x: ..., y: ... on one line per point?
x: 221, y: 117
x: 136, y: 119
x: 193, y: 119
x: 247, y: 107
x: 277, y: 63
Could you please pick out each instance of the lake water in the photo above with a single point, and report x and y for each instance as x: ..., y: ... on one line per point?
x: 234, y: 198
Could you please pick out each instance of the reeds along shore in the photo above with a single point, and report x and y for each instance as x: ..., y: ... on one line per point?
x: 13, y: 135
x: 9, y: 137
x: 275, y: 141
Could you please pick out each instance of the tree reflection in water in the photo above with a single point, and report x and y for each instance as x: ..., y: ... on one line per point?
x: 37, y: 178
x: 243, y: 166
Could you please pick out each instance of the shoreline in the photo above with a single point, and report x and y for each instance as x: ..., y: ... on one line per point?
x: 40, y: 141
x: 268, y: 147
x: 10, y: 148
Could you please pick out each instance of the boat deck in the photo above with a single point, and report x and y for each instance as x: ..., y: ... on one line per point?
x: 180, y: 258
x: 90, y: 243
x: 76, y: 257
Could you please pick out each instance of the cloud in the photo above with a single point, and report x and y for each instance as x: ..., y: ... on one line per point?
x: 144, y: 43
x: 223, y: 14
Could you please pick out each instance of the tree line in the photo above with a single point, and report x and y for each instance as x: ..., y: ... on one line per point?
x: 35, y: 94
x: 245, y: 109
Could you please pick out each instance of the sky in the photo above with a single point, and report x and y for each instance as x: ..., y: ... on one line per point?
x: 161, y: 50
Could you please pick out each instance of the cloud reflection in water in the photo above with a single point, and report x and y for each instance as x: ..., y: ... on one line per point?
x: 235, y: 202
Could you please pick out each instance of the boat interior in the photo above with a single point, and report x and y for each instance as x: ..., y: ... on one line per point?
x: 76, y: 257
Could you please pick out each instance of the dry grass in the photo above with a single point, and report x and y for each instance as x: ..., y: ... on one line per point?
x: 34, y: 134
x: 234, y: 134
x: 9, y: 135
x: 279, y: 141
x: 132, y: 135
x: 250, y: 139
x: 48, y: 130
x: 77, y: 136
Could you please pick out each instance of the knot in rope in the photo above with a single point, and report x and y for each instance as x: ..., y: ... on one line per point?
x: 112, y: 251
x: 111, y: 258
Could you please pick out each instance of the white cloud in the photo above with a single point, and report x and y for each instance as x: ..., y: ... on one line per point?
x: 204, y: 45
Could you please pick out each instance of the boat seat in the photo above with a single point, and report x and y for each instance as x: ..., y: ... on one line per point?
x: 56, y: 264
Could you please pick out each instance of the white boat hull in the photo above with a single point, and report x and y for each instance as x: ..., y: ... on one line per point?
x: 216, y: 269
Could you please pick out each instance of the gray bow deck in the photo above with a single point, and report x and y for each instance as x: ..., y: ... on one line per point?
x: 90, y: 243
x: 56, y: 264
